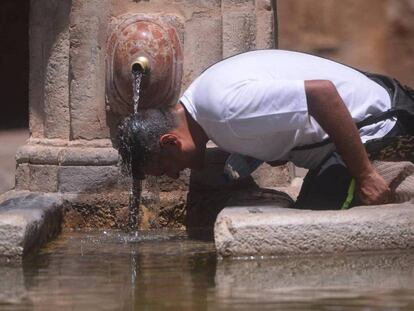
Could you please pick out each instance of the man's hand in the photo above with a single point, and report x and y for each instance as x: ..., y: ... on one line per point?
x: 371, y: 189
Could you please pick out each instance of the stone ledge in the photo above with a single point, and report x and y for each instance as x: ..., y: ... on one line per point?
x: 27, y: 221
x: 67, y: 156
x: 272, y: 231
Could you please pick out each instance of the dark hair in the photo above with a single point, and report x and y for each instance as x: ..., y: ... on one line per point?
x: 138, y: 138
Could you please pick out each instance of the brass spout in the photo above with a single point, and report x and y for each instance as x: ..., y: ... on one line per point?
x: 141, y: 64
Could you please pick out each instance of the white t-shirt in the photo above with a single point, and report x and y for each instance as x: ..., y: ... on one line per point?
x: 255, y: 104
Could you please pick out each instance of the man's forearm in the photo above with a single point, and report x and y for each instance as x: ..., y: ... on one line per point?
x: 326, y: 106
x: 328, y: 109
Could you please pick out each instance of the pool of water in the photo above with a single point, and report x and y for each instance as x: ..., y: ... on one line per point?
x: 167, y: 271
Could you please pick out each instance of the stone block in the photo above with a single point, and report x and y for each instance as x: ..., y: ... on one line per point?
x: 239, y: 32
x: 76, y: 156
x: 28, y: 221
x: 89, y: 20
x: 56, y: 100
x: 96, y: 210
x: 265, y: 38
x: 22, y: 177
x: 267, y: 176
x: 166, y: 183
x: 43, y: 178
x: 271, y: 231
x: 202, y: 45
x: 87, y: 179
x: 49, y: 68
x: 38, y: 154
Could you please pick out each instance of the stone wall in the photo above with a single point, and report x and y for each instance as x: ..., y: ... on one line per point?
x: 374, y: 35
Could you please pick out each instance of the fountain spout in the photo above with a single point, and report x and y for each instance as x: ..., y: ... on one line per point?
x: 141, y: 64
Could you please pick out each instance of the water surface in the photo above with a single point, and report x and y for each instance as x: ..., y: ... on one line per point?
x: 167, y: 271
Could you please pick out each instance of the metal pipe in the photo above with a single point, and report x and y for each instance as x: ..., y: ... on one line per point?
x: 141, y: 64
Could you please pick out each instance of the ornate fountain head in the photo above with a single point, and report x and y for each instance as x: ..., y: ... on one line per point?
x: 148, y: 43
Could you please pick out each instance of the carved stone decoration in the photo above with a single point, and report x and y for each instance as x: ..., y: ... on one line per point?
x: 143, y: 35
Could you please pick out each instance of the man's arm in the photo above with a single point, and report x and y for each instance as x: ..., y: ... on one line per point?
x: 328, y: 109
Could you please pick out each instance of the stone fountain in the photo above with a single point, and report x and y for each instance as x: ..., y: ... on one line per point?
x: 80, y: 88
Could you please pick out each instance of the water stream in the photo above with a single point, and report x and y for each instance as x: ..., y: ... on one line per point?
x: 136, y: 187
x: 134, y: 202
x: 136, y: 87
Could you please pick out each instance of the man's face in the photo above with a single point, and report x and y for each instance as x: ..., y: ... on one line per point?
x: 175, y: 155
x: 162, y: 164
x: 170, y: 160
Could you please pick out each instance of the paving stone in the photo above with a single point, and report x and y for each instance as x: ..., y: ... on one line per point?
x: 268, y: 230
x: 27, y: 221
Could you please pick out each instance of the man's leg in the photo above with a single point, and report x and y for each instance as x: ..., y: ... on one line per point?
x: 325, y: 188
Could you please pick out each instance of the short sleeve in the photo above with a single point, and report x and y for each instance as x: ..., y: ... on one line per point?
x: 259, y: 108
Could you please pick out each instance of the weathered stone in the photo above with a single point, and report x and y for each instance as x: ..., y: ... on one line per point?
x: 372, y: 42
x: 57, y: 119
x: 97, y: 210
x: 27, y: 221
x: 22, y: 177
x: 77, y: 156
x: 87, y: 178
x: 49, y: 59
x: 267, y: 176
x: 88, y: 25
x: 265, y: 38
x: 38, y: 154
x: 270, y: 230
x: 172, y: 210
x: 166, y: 183
x: 43, y: 178
x: 201, y: 47
x: 239, y: 27
x: 400, y: 28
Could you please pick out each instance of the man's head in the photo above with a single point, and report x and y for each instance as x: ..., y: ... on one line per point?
x: 157, y: 142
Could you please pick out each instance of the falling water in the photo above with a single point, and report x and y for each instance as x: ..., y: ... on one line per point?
x: 136, y: 87
x: 136, y: 187
x: 134, y: 201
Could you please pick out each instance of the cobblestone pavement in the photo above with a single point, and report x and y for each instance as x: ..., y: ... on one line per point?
x: 10, y: 140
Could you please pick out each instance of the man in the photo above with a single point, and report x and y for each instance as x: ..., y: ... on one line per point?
x: 275, y: 106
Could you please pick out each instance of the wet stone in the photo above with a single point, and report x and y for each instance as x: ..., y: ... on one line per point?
x: 27, y: 221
